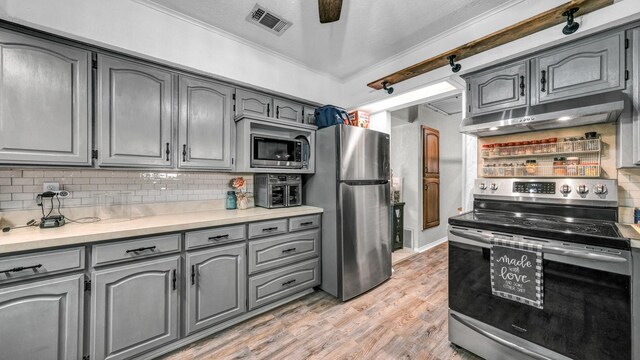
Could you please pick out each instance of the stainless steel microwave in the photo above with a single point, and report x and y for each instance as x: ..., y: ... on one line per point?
x: 276, y: 152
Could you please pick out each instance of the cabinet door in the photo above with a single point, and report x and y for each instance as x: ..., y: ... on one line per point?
x: 205, y: 124
x: 42, y: 320
x: 44, y: 102
x: 431, y: 151
x: 250, y: 103
x: 134, y: 308
x: 588, y: 67
x: 309, y: 115
x: 628, y: 126
x: 431, y: 203
x: 498, y: 89
x: 287, y: 110
x: 217, y: 286
x: 133, y: 114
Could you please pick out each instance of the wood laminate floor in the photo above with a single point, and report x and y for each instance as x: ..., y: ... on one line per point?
x: 404, y: 318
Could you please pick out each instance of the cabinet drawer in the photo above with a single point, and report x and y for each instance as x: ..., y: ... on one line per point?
x: 282, y: 250
x: 266, y: 228
x: 278, y: 284
x: 41, y: 263
x: 215, y: 236
x: 134, y: 249
x: 304, y: 222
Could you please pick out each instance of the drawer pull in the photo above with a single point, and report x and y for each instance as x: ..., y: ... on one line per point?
x: 288, y: 282
x: 219, y: 237
x: 21, y: 268
x: 193, y: 274
x: 306, y: 223
x: 270, y: 229
x: 174, y: 280
x: 285, y: 251
x: 141, y: 249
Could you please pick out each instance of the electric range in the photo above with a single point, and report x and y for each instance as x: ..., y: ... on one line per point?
x: 538, y: 270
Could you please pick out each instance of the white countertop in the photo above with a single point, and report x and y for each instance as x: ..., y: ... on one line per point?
x: 629, y: 232
x: 78, y: 234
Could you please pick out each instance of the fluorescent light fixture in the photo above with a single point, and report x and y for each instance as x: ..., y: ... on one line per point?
x: 392, y: 103
x: 493, y: 128
x: 564, y: 118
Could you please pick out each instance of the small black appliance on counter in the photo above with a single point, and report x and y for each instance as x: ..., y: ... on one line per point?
x: 277, y: 190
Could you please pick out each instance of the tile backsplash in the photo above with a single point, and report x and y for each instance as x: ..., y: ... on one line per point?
x: 19, y: 187
x: 629, y: 187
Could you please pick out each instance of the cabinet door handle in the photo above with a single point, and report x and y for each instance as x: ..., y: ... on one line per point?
x: 21, y: 268
x: 543, y: 80
x: 193, y: 274
x: 184, y: 152
x: 277, y: 112
x: 521, y: 85
x: 285, y: 251
x: 219, y: 237
x: 174, y: 280
x: 306, y: 223
x: 270, y: 229
x: 268, y: 109
x: 167, y: 152
x: 288, y: 282
x: 141, y: 249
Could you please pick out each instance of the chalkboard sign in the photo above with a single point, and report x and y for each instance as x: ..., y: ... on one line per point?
x: 516, y: 272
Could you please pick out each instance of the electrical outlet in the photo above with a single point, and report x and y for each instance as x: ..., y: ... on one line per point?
x: 63, y: 194
x: 52, y: 186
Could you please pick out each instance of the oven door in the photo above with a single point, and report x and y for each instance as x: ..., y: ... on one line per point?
x: 587, y: 299
x: 273, y: 152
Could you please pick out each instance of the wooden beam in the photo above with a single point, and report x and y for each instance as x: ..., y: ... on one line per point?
x: 516, y: 31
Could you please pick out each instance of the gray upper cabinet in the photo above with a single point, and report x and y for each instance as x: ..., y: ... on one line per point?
x: 591, y: 66
x: 251, y: 103
x: 42, y: 320
x: 498, y: 89
x: 134, y: 308
x: 217, y: 287
x: 309, y: 115
x: 628, y: 129
x: 134, y: 116
x: 287, y: 110
x: 205, y: 126
x: 45, y: 99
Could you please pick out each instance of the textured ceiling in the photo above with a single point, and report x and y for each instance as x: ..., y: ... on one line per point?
x: 369, y: 31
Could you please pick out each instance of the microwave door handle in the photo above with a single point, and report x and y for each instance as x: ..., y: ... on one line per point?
x: 500, y: 340
x: 583, y: 254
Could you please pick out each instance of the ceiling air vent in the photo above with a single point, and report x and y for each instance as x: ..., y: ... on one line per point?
x: 265, y: 18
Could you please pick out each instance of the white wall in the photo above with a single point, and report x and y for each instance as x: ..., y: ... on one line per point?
x: 381, y: 122
x: 137, y: 29
x: 406, y: 161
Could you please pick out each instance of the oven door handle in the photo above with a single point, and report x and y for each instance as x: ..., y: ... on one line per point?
x: 500, y: 340
x: 583, y: 254
x: 486, y: 239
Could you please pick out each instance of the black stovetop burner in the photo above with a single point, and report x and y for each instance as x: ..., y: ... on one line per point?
x: 534, y: 221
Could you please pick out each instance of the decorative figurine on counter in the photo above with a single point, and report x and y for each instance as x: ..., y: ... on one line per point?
x: 242, y: 197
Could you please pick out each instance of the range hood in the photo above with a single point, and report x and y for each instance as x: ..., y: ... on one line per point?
x: 593, y: 109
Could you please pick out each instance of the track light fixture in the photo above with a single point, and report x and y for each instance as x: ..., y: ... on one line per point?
x: 454, y: 67
x: 571, y: 26
x: 389, y: 90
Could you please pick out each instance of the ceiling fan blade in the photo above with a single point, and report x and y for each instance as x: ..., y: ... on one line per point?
x: 329, y: 10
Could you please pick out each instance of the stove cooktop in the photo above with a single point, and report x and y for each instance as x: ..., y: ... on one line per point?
x: 586, y: 231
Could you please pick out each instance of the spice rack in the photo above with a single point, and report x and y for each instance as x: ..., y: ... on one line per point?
x: 537, y: 160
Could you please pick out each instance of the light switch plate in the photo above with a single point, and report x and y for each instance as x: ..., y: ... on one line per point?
x: 51, y: 186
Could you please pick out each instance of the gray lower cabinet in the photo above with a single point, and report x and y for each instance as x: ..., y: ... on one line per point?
x: 586, y: 67
x: 205, y: 125
x: 281, y: 283
x: 498, y: 89
x: 134, y: 308
x: 217, y: 289
x: 134, y: 114
x: 45, y: 117
x: 252, y: 103
x: 272, y: 252
x: 287, y: 110
x: 42, y: 320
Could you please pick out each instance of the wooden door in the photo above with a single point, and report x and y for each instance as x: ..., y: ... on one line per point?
x: 216, y: 289
x: 287, y: 110
x: 431, y: 177
x: 205, y: 124
x: 45, y: 111
x: 134, y: 308
x: 250, y: 103
x: 42, y: 320
x: 134, y: 114
x: 498, y: 89
x: 588, y: 67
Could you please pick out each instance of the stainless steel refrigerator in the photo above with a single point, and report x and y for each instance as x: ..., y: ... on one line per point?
x: 351, y: 183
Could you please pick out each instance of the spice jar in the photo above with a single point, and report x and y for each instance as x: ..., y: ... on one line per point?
x: 544, y: 145
x: 560, y: 166
x: 532, y: 167
x: 553, y: 145
x: 495, y: 150
x: 521, y: 169
x: 528, y: 149
x: 511, y: 148
x: 485, y: 151
x: 536, y: 146
x: 579, y: 144
x: 509, y: 171
x: 572, y: 166
x: 519, y: 148
x: 590, y: 169
x: 504, y: 150
x: 567, y: 144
